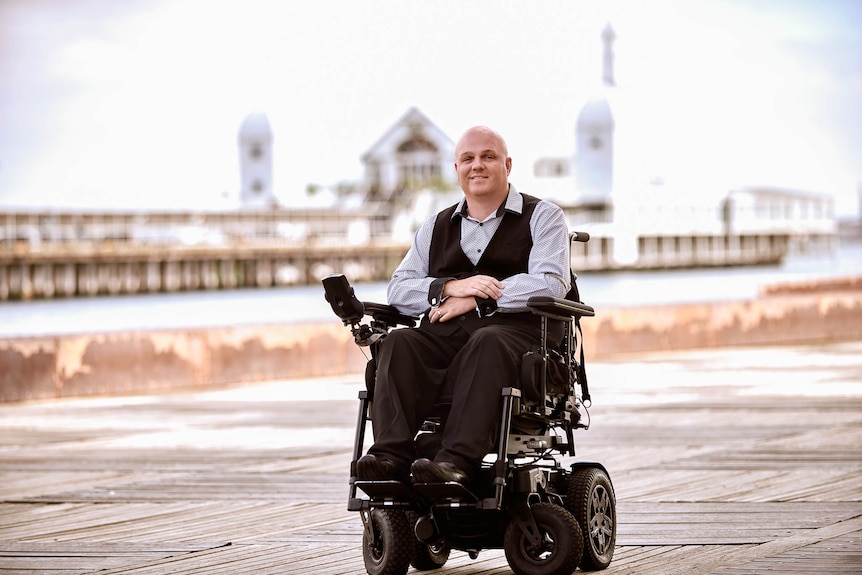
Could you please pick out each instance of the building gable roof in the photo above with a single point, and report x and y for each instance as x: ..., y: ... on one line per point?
x: 413, y: 123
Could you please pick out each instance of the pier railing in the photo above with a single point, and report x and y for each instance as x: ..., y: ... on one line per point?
x: 58, y: 254
x: 33, y: 231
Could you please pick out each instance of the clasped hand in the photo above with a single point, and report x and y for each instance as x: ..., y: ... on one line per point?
x: 460, y: 296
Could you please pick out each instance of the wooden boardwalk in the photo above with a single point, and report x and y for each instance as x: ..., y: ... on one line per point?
x: 730, y: 461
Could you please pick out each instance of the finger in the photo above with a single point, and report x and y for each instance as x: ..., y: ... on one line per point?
x: 492, y: 281
x: 488, y: 291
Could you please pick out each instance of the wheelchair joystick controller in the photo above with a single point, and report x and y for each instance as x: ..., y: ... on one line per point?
x: 342, y: 300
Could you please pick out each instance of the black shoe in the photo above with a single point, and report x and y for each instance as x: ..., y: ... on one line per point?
x: 371, y: 467
x: 427, y: 471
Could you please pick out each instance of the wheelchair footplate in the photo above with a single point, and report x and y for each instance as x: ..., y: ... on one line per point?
x: 387, y: 491
x: 450, y: 491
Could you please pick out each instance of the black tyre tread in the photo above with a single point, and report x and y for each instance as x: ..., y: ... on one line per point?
x: 424, y: 558
x: 581, y: 484
x: 566, y: 533
x: 397, y: 543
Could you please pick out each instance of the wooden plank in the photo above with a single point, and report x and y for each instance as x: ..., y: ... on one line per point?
x: 78, y: 557
x: 842, y: 554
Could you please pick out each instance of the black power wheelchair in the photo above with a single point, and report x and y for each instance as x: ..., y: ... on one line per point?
x: 548, y: 518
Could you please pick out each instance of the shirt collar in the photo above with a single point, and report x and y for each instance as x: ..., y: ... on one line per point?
x: 514, y: 203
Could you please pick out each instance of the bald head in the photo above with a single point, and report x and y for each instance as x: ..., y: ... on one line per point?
x: 483, y: 132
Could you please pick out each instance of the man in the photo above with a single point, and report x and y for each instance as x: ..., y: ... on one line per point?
x: 469, y: 272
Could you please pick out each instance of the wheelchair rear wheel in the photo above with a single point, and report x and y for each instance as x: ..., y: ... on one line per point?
x: 387, y: 550
x: 559, y: 551
x: 590, y: 498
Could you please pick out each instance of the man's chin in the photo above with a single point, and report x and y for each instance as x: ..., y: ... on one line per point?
x: 484, y: 189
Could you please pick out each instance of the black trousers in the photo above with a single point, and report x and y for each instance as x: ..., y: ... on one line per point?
x: 466, y: 363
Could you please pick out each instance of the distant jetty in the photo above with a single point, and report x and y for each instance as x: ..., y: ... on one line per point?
x: 51, y: 254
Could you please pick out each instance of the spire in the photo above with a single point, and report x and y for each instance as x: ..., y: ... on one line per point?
x: 608, y: 37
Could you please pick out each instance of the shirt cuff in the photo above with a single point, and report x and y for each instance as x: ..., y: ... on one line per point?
x: 435, y: 292
x: 485, y: 307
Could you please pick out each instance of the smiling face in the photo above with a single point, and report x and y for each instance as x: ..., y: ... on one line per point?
x: 482, y: 162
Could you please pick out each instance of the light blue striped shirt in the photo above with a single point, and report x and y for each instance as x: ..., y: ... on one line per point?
x: 548, y: 271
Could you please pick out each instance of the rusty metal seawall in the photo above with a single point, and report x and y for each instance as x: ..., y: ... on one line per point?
x: 156, y: 361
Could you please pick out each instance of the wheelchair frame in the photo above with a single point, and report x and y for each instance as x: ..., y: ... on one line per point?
x: 548, y: 519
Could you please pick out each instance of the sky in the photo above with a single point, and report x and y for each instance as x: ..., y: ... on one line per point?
x: 137, y: 104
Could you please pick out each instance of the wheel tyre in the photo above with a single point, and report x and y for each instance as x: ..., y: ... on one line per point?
x: 427, y: 556
x: 561, y: 548
x: 590, y: 498
x: 389, y: 551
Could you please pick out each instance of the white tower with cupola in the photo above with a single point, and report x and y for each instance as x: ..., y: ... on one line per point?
x: 594, y: 135
x: 255, y: 163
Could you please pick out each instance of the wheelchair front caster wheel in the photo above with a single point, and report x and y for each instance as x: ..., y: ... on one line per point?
x: 429, y: 556
x: 387, y: 545
x: 560, y: 547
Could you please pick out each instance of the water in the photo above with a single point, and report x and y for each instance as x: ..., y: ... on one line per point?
x: 306, y: 303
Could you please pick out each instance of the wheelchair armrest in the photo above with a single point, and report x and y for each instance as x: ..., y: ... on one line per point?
x: 388, y: 315
x: 559, y: 308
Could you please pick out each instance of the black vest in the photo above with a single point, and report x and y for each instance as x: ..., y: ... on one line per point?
x: 507, y: 254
